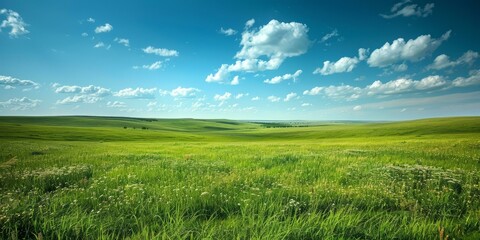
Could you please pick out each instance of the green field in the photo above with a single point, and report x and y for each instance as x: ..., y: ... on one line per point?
x: 111, y: 178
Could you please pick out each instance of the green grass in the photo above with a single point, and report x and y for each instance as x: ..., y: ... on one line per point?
x: 90, y: 178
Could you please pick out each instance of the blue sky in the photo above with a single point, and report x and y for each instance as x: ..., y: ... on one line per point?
x: 311, y: 60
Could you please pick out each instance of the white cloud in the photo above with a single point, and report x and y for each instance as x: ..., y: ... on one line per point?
x: 357, y: 108
x: 90, y: 20
x: 456, y: 99
x: 273, y: 99
x: 228, y: 31
x: 277, y: 40
x: 249, y: 23
x: 254, y: 65
x: 289, y: 96
x: 183, y: 92
x: 413, y: 50
x: 90, y: 90
x: 11, y: 83
x: 84, y: 34
x: 144, y: 93
x: 102, y: 45
x: 20, y: 104
x: 13, y: 21
x: 313, y: 91
x: 105, y: 28
x: 377, y: 88
x: 87, y: 94
x: 125, y: 42
x: 344, y: 64
x: 256, y: 98
x: 152, y: 104
x: 401, y: 9
x: 235, y: 81
x: 163, y: 52
x: 240, y: 95
x: 220, y: 75
x: 79, y: 99
x: 334, y: 33
x: 116, y: 104
x: 336, y: 92
x: 154, y: 66
x: 443, y: 61
x: 274, y: 41
x: 223, y: 97
x: 306, y: 104
x: 363, y: 54
x: 279, y: 79
x: 400, y: 68
x: 473, y: 79
x: 404, y: 85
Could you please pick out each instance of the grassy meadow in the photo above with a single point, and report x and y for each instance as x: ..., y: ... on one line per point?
x: 114, y: 178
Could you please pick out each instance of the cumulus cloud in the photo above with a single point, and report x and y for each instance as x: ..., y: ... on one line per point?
x: 407, y: 10
x: 344, y: 64
x: 13, y: 21
x: 11, y: 83
x: 90, y: 90
x: 125, y: 42
x: 404, y: 85
x: 143, y: 93
x: 276, y: 40
x: 90, y: 20
x: 443, y: 61
x: 256, y: 98
x: 20, y: 104
x: 79, y: 99
x: 336, y: 92
x: 220, y: 75
x: 265, y: 48
x: 235, y: 81
x: 222, y: 98
x: 104, y: 28
x: 86, y: 94
x: 279, y: 79
x: 473, y: 79
x: 273, y: 98
x: 228, y: 31
x: 84, y: 34
x: 116, y: 104
x: 289, y: 96
x: 357, y: 108
x: 413, y: 50
x: 183, y: 92
x: 378, y: 88
x: 163, y: 52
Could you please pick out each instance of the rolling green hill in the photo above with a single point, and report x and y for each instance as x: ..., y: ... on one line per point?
x: 85, y: 128
x: 83, y: 177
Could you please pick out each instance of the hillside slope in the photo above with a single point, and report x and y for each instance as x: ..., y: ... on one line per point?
x: 85, y: 128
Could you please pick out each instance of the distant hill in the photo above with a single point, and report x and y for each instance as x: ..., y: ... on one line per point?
x: 88, y: 128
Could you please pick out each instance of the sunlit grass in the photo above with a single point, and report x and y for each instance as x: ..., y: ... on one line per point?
x: 356, y: 187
